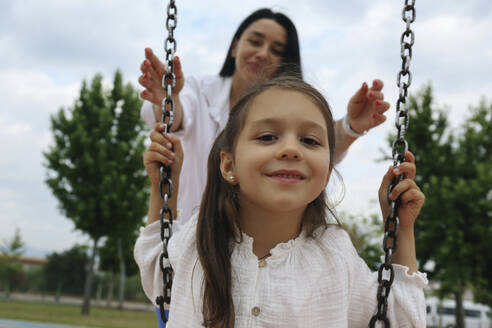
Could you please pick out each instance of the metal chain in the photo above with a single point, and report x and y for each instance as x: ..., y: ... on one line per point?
x: 166, y: 184
x: 386, y: 273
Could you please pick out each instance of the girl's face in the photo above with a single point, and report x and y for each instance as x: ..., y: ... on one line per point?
x: 282, y: 157
x: 259, y: 50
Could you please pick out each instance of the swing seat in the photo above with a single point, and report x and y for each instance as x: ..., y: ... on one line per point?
x: 159, y: 319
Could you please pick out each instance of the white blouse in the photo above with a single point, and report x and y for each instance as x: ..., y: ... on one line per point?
x: 317, y: 281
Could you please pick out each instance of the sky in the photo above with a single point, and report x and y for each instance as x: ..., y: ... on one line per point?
x: 48, y: 47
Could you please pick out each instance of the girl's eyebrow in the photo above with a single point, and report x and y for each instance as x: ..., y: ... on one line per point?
x: 305, y: 124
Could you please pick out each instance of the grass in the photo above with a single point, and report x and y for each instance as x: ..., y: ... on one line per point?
x: 70, y: 314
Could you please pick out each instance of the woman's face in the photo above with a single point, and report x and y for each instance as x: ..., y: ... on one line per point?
x: 259, y: 51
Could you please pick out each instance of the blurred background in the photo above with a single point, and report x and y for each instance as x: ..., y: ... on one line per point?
x: 59, y: 58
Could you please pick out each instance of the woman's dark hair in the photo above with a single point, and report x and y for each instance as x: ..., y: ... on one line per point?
x: 217, y: 228
x: 291, y: 51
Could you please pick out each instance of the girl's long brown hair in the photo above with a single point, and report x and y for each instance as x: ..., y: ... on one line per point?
x: 217, y: 228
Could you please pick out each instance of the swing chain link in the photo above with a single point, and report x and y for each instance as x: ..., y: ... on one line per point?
x: 166, y: 185
x: 386, y: 272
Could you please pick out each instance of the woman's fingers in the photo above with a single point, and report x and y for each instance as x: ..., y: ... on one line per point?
x: 375, y: 95
x: 377, y: 85
x: 155, y: 63
x: 177, y: 67
x: 150, y: 78
x: 380, y: 106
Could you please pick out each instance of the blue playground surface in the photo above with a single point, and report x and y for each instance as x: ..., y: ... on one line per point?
x: 6, y: 323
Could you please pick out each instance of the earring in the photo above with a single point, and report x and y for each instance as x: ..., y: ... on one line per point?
x: 232, y: 178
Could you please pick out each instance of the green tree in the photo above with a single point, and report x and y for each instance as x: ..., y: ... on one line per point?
x: 450, y: 230
x: 474, y: 195
x: 62, y: 270
x: 95, y: 166
x: 10, y: 267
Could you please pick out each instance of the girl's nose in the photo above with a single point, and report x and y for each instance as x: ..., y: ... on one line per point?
x: 289, y: 150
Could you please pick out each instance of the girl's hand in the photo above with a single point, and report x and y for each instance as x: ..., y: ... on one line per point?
x: 151, y: 79
x: 366, y: 108
x: 165, y: 149
x: 412, y: 199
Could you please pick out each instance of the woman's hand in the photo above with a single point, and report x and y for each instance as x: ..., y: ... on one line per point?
x: 151, y: 79
x: 366, y: 108
x: 164, y: 149
x: 412, y: 198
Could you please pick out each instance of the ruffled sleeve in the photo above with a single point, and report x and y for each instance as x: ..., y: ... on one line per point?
x: 406, y: 303
x: 148, y: 248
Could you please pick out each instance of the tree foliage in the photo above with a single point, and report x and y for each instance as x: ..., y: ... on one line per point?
x: 108, y: 255
x: 13, y: 248
x: 11, y: 274
x: 95, y: 165
x: 474, y: 196
x: 64, y: 272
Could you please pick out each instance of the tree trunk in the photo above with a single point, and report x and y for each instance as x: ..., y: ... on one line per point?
x: 86, y: 305
x: 109, y: 296
x: 58, y: 291
x: 122, y: 275
x: 6, y: 291
x: 460, y: 312
x: 98, y: 292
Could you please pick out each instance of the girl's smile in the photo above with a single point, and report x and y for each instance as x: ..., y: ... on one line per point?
x: 287, y: 176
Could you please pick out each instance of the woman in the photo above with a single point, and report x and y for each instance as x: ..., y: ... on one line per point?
x: 265, y: 45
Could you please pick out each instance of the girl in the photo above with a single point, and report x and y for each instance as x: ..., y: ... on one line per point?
x: 260, y: 252
x: 264, y: 44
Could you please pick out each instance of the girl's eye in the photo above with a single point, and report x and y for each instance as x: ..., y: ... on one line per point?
x: 266, y: 138
x: 310, y: 141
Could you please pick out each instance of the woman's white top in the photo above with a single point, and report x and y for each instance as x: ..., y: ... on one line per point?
x: 310, y: 282
x: 206, y: 109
